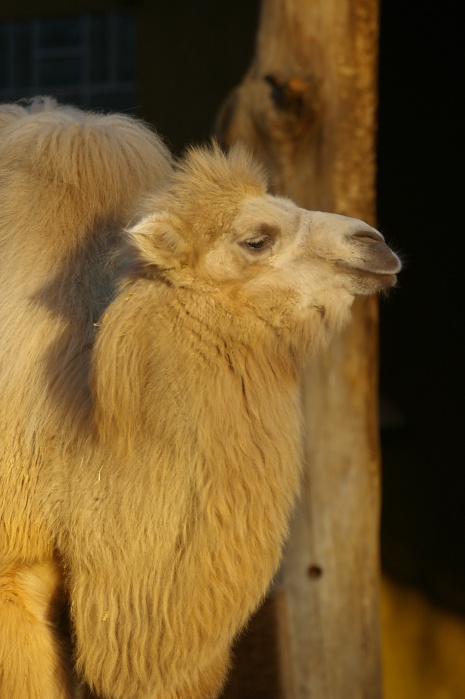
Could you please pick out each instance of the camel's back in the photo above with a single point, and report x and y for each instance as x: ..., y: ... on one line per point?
x: 69, y: 182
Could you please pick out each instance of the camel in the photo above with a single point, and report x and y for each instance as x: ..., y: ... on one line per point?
x: 155, y: 316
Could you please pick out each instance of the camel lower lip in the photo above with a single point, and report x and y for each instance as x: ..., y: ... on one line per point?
x: 379, y: 280
x: 387, y: 279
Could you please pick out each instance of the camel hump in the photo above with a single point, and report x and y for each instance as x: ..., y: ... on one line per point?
x: 95, y: 164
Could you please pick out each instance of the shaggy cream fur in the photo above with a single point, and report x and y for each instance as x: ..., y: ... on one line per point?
x: 149, y: 408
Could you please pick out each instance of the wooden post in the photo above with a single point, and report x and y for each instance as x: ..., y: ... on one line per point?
x: 308, y: 108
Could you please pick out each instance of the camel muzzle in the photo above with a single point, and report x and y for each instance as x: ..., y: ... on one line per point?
x: 374, y: 256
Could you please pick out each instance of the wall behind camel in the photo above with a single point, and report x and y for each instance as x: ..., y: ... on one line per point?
x: 423, y: 517
x: 420, y: 172
x: 188, y: 55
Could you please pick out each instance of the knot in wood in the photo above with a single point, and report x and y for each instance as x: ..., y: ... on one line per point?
x: 315, y: 572
x: 294, y: 95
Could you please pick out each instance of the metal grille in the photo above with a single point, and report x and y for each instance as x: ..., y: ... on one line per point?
x: 89, y: 61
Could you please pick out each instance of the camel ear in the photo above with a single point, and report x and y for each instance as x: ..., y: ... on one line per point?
x: 156, y: 243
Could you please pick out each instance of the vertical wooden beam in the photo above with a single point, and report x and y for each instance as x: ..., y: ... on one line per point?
x: 308, y: 108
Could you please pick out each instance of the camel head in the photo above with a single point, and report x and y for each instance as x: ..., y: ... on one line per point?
x: 217, y: 229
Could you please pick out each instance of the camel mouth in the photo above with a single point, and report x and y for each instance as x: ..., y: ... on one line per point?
x: 384, y: 280
x: 371, y: 280
x: 380, y: 262
x: 374, y: 281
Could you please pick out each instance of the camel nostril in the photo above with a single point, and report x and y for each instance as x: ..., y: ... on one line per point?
x: 368, y: 236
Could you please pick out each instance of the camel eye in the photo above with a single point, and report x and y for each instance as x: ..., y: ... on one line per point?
x: 258, y: 244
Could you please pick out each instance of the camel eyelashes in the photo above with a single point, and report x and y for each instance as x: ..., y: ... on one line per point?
x: 258, y: 244
x: 263, y: 240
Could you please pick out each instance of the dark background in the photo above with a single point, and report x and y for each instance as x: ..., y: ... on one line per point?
x: 420, y: 154
x: 189, y: 55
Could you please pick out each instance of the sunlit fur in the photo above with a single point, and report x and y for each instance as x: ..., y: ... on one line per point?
x: 149, y: 408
